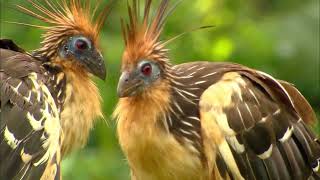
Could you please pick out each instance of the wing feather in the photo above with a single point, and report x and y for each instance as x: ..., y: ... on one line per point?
x: 262, y: 125
x: 30, y: 126
x: 301, y: 104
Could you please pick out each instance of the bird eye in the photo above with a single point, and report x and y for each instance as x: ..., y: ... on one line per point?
x: 81, y: 44
x: 146, y: 69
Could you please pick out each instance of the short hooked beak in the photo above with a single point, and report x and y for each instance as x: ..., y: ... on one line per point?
x: 128, y: 85
x: 95, y: 65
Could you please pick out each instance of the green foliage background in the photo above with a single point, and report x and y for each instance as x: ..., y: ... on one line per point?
x: 278, y: 37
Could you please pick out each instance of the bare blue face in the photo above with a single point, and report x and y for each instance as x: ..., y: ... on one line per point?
x: 144, y: 75
x: 82, y: 50
x: 149, y: 72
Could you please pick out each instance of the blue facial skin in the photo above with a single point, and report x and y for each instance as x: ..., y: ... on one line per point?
x: 134, y: 82
x: 81, y: 49
x: 155, y: 72
x: 70, y: 49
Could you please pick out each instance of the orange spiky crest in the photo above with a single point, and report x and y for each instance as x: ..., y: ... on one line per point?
x: 142, y: 37
x: 65, y: 19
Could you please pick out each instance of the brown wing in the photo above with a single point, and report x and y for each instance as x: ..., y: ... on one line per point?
x: 259, y: 132
x: 301, y: 104
x: 29, y: 127
x: 9, y: 45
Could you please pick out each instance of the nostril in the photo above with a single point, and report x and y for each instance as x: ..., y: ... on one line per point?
x: 124, y: 78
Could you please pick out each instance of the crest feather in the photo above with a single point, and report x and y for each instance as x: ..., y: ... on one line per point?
x: 141, y: 37
x: 64, y: 19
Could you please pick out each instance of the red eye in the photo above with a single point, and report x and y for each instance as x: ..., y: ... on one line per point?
x: 146, y: 69
x: 81, y: 44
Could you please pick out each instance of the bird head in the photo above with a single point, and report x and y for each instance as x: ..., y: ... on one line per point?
x: 71, y: 39
x: 145, y: 59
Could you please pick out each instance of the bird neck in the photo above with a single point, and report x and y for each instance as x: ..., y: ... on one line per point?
x: 156, y: 101
x: 146, y: 108
x: 146, y: 140
x: 81, y: 106
x: 72, y: 67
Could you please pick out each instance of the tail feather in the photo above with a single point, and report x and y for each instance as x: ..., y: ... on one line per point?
x: 308, y: 145
x: 297, y: 163
x: 276, y: 166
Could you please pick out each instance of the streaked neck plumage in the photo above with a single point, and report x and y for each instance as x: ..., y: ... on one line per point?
x: 155, y: 123
x: 81, y: 107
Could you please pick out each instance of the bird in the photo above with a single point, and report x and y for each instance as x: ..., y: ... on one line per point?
x: 49, y: 101
x: 206, y: 120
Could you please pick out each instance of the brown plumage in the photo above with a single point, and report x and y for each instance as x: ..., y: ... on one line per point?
x: 205, y: 120
x: 48, y: 101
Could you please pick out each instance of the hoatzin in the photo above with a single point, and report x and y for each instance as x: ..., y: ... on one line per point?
x: 48, y: 100
x: 206, y: 120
